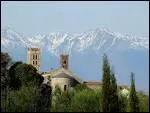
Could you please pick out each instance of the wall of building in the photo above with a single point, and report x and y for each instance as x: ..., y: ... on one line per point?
x: 60, y: 82
x: 33, y: 57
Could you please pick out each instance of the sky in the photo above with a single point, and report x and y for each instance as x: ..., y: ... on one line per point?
x: 31, y: 18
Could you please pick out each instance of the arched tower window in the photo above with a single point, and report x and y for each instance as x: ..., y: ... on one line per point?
x: 64, y: 61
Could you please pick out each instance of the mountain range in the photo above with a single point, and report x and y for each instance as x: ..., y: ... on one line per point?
x: 126, y: 52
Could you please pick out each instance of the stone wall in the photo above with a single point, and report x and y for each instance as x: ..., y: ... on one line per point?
x: 61, y: 83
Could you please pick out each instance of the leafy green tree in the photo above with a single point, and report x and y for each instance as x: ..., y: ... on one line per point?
x: 106, y: 85
x: 44, y: 100
x: 143, y: 102
x: 14, y: 82
x: 5, y: 63
x: 133, y: 99
x: 27, y: 73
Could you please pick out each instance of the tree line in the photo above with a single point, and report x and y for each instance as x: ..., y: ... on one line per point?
x: 22, y: 90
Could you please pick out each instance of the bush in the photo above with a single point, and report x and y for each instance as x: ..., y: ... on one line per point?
x: 21, y: 100
x: 86, y: 101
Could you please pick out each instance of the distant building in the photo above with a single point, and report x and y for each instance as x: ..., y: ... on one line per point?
x: 93, y: 84
x: 63, y: 78
x: 33, y: 57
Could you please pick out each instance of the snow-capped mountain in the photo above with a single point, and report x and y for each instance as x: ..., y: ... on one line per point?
x: 57, y: 43
x: 127, y: 53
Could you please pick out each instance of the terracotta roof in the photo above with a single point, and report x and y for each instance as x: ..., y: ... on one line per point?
x: 93, y: 82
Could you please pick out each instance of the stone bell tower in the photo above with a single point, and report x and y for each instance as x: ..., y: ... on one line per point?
x: 64, y: 61
x: 33, y: 57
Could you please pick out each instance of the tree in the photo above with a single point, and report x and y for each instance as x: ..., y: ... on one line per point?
x: 22, y: 100
x: 86, y: 101
x: 106, y: 85
x: 5, y: 63
x: 44, y: 100
x: 26, y: 73
x: 143, y: 102
x: 133, y: 99
x: 14, y: 82
x: 114, y: 105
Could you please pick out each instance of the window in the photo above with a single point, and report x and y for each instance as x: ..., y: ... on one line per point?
x: 36, y: 63
x: 36, y: 56
x: 65, y: 87
x: 33, y: 62
x: 65, y: 62
x: 33, y: 56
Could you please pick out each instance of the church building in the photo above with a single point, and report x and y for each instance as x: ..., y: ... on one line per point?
x: 63, y: 77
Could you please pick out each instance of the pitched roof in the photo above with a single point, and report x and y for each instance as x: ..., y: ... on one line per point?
x: 62, y: 75
x: 62, y: 72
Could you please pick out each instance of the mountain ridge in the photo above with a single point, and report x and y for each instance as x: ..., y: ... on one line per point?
x: 67, y: 42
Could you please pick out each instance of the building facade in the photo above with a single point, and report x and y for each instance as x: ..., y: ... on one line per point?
x: 63, y: 78
x: 33, y: 57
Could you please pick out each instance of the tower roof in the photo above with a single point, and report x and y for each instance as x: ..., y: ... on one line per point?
x: 34, y: 49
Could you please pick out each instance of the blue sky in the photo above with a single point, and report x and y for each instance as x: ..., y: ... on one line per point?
x: 31, y: 18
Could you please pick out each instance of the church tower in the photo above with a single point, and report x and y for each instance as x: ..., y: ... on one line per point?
x: 64, y: 61
x: 33, y: 57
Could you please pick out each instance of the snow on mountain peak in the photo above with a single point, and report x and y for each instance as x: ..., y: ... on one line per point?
x: 57, y: 43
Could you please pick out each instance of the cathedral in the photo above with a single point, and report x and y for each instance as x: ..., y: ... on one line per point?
x: 63, y: 77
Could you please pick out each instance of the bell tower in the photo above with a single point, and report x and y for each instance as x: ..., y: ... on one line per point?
x: 64, y: 61
x: 33, y: 57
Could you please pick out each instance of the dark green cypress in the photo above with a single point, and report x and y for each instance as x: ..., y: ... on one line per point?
x: 133, y: 102
x: 106, y: 84
x: 114, y: 106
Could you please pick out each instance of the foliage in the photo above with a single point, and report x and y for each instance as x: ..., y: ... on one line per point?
x: 44, y: 100
x: 80, y: 87
x: 5, y: 63
x: 114, y: 106
x: 133, y: 99
x: 14, y: 82
x: 27, y: 73
x: 106, y: 85
x: 61, y: 100
x: 21, y: 100
x: 143, y: 102
x: 122, y: 103
x: 26, y: 93
x: 86, y: 101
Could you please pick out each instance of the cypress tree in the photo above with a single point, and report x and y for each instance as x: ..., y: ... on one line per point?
x: 114, y: 106
x: 106, y: 84
x: 133, y: 102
